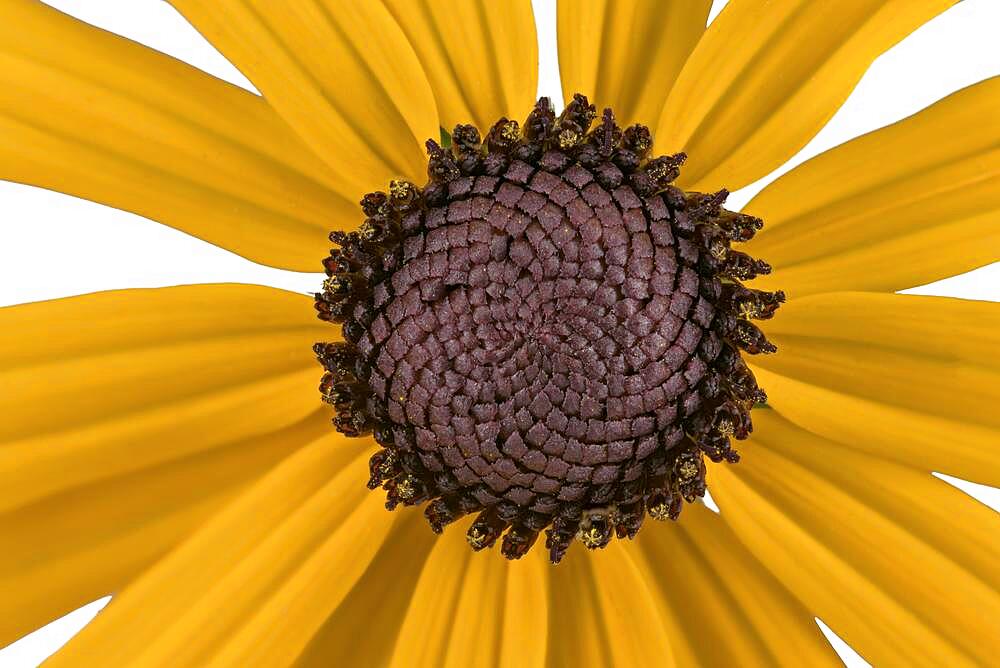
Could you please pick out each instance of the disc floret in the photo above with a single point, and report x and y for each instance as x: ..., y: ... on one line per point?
x: 548, y: 334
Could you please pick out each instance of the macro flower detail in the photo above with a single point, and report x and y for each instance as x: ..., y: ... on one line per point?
x: 542, y: 329
x: 547, y: 334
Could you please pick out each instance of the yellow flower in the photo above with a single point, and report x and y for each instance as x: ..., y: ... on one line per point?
x: 167, y: 446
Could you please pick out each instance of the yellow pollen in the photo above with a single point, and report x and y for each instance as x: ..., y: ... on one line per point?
x: 405, y: 488
x: 387, y: 466
x: 748, y: 310
x: 568, y: 139
x: 688, y: 470
x: 659, y: 511
x: 476, y: 537
x: 657, y: 171
x: 511, y: 131
x: 367, y: 230
x: 399, y: 189
x: 591, y: 538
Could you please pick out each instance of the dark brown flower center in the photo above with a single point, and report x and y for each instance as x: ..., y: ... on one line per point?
x: 546, y: 334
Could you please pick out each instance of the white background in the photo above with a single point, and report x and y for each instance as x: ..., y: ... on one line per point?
x: 52, y: 245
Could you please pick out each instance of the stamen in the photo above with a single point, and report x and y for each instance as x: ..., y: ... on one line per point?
x: 546, y: 335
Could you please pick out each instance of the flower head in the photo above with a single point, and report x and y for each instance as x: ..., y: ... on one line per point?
x: 547, y: 334
x: 548, y: 328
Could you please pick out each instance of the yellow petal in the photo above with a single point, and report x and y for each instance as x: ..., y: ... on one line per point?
x: 341, y: 73
x: 363, y: 629
x: 629, y: 611
x: 127, y: 423
x: 275, y: 631
x: 526, y: 612
x: 914, y: 379
x: 626, y: 54
x: 111, y: 383
x: 497, y: 617
x: 72, y: 548
x: 603, y: 612
x: 475, y: 636
x: 94, y: 115
x: 906, y: 205
x: 726, y: 607
x: 430, y: 601
x: 425, y: 635
x: 577, y: 635
x: 481, y: 57
x: 902, y: 566
x: 257, y: 581
x: 768, y: 74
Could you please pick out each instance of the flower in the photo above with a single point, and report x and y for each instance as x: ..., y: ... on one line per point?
x: 168, y: 446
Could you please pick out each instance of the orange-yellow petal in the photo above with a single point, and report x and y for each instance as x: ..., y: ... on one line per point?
x: 363, y: 629
x: 481, y: 57
x: 906, y: 205
x: 628, y: 609
x: 724, y: 606
x: 526, y: 613
x: 902, y: 566
x: 577, y: 635
x: 913, y: 379
x: 94, y: 115
x: 768, y: 75
x: 425, y: 635
x: 626, y: 54
x: 257, y: 581
x: 73, y: 547
x: 129, y: 417
x: 115, y: 382
x: 475, y: 636
x: 342, y: 74
x: 603, y: 611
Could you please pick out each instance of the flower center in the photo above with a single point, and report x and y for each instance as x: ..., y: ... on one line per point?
x: 547, y: 334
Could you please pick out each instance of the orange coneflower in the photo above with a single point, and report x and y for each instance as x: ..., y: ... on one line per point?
x: 546, y: 328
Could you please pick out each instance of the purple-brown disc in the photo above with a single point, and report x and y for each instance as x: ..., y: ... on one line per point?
x: 547, y: 334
